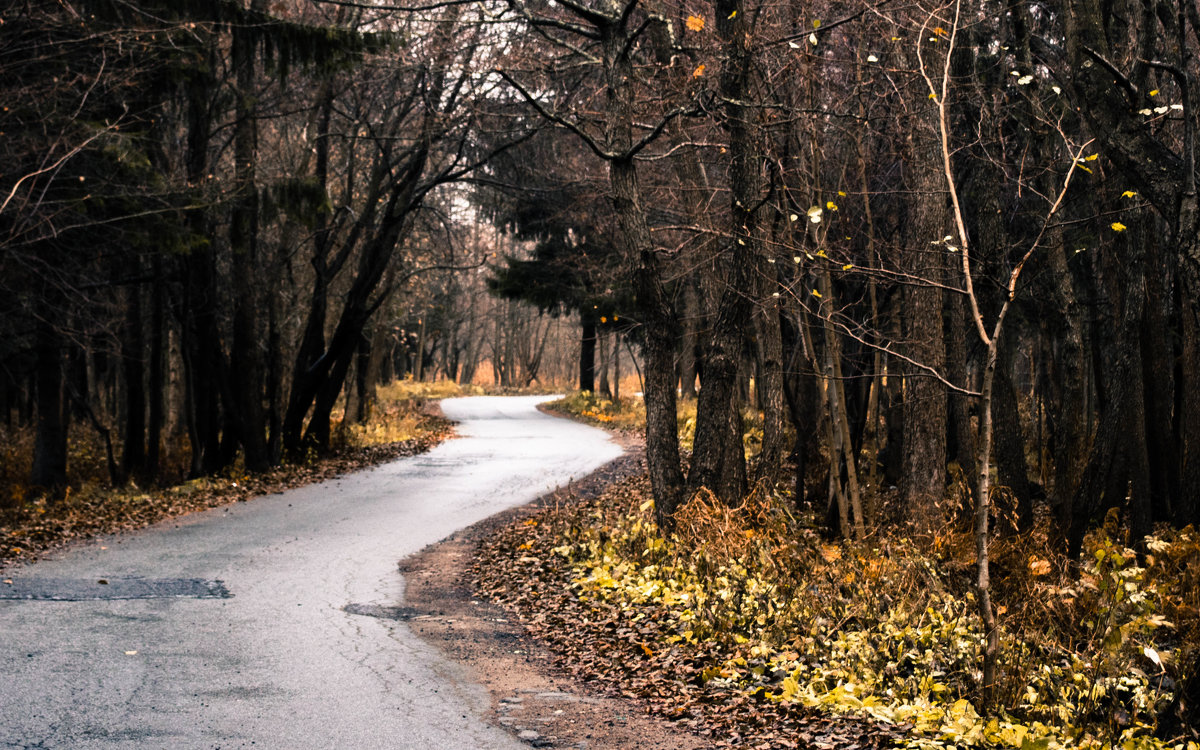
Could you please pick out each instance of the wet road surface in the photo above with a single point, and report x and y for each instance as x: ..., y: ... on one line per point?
x: 276, y: 623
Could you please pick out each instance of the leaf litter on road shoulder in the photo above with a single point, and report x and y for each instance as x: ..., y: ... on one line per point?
x: 30, y: 530
x: 632, y: 648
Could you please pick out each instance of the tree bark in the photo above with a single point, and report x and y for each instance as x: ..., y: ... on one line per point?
x: 133, y: 370
x: 50, y: 443
x: 587, y: 354
x: 1009, y: 440
x: 712, y: 465
x: 659, y: 321
x: 246, y: 361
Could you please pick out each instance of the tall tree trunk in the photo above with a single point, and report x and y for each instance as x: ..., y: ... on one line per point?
x: 604, y: 389
x: 312, y: 340
x: 961, y: 444
x: 50, y: 443
x: 616, y: 366
x: 801, y: 392
x: 923, y: 443
x: 587, y: 353
x: 1189, y: 419
x: 157, y: 381
x: 1008, y: 439
x: 133, y: 367
x: 662, y: 438
x: 1104, y: 480
x: 1069, y: 419
x: 712, y: 466
x: 1158, y: 380
x: 246, y: 377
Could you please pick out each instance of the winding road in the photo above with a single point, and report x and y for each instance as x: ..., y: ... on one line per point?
x: 257, y: 624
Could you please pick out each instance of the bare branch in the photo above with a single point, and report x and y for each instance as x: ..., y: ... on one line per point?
x: 1121, y: 78
x: 591, y: 142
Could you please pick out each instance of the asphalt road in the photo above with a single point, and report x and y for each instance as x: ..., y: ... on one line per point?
x: 293, y: 656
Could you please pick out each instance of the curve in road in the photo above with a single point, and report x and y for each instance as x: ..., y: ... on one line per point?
x: 292, y: 657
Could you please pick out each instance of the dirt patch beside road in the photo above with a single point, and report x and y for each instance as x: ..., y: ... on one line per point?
x: 530, y: 695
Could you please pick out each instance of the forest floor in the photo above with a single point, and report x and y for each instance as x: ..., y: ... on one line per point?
x: 752, y: 628
x: 561, y: 676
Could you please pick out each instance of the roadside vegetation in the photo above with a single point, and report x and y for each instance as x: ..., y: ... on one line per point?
x: 751, y: 619
x: 400, y: 423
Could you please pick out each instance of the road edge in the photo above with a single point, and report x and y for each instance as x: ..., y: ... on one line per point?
x: 531, y: 696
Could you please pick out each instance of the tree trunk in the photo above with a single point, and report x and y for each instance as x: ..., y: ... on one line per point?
x: 604, y: 389
x: 961, y: 443
x: 1104, y: 482
x: 49, y: 472
x: 662, y: 438
x: 133, y: 366
x: 712, y: 466
x: 587, y: 354
x: 983, y: 498
x: 923, y: 443
x: 158, y: 382
x: 1189, y: 419
x: 1069, y: 419
x: 1158, y: 381
x: 246, y: 377
x: 616, y: 364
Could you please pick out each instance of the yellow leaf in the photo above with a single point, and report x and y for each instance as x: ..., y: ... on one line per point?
x: 1129, y: 194
x: 699, y: 71
x: 940, y: 31
x: 932, y: 95
x: 1118, y: 226
x: 1153, y: 93
x: 1093, y: 157
x: 842, y: 193
x: 816, y: 23
x: 731, y: 15
x: 695, y: 23
x: 816, y: 294
x: 831, y: 205
x: 847, y: 267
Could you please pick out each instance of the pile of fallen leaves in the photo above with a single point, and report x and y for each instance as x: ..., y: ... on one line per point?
x: 748, y: 626
x: 34, y: 527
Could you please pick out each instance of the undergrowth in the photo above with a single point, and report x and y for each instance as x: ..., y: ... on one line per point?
x: 1095, y: 659
x: 397, y: 414
x: 627, y: 413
